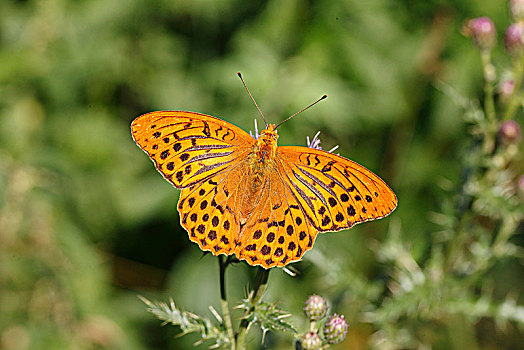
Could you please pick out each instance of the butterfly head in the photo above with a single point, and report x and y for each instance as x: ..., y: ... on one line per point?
x: 269, y: 135
x: 266, y: 145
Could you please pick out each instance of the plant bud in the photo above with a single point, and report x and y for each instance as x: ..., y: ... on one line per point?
x: 335, y: 329
x: 505, y: 89
x: 509, y: 132
x: 513, y: 40
x: 315, y: 307
x: 516, y: 8
x: 311, y: 341
x: 482, y: 30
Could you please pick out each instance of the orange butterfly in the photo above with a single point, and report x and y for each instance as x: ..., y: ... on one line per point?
x: 248, y: 197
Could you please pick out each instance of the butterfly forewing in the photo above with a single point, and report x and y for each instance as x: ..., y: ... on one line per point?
x: 188, y: 147
x: 335, y: 193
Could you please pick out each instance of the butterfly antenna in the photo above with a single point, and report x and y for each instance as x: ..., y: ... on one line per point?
x: 302, y: 110
x: 255, y: 102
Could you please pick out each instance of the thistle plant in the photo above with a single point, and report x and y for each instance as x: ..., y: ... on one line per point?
x: 479, y: 217
x: 335, y: 329
x: 315, y: 307
x: 255, y: 311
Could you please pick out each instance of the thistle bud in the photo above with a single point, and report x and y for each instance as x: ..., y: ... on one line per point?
x: 513, y: 40
x: 505, y: 89
x: 482, y: 31
x: 509, y: 132
x: 311, y: 341
x: 315, y: 307
x: 335, y: 329
x: 516, y: 8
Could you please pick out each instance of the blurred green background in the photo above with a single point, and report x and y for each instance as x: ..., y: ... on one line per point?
x: 87, y: 224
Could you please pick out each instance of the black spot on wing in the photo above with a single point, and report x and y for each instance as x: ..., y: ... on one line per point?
x: 164, y: 154
x: 327, y: 167
x: 206, y: 130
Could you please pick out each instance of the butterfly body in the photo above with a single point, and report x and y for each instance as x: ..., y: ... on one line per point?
x: 249, y: 197
x: 266, y: 145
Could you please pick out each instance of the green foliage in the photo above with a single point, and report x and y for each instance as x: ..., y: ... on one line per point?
x: 268, y: 316
x: 189, y: 322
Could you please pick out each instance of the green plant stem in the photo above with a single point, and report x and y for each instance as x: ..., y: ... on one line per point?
x: 223, y: 300
x: 489, y: 80
x: 455, y: 247
x: 508, y: 226
x: 514, y: 101
x: 254, y: 297
x: 489, y: 101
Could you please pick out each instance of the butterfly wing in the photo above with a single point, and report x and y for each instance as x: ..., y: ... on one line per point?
x: 188, y: 148
x: 309, y: 191
x: 199, y: 154
x: 335, y: 193
x: 279, y: 233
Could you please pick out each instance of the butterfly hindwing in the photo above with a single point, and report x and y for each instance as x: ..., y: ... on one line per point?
x: 206, y: 221
x: 278, y: 232
x: 211, y: 211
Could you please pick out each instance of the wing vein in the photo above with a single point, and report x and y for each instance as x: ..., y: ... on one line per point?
x: 317, y: 180
x: 310, y: 187
x: 208, y: 156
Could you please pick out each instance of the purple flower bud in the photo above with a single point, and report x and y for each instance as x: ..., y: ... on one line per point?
x: 335, y: 329
x: 505, y: 89
x: 311, y: 341
x: 509, y: 132
x: 315, y: 307
x: 482, y: 30
x: 513, y: 40
x: 516, y: 8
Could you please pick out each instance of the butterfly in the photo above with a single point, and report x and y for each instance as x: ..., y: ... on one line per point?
x: 249, y: 197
